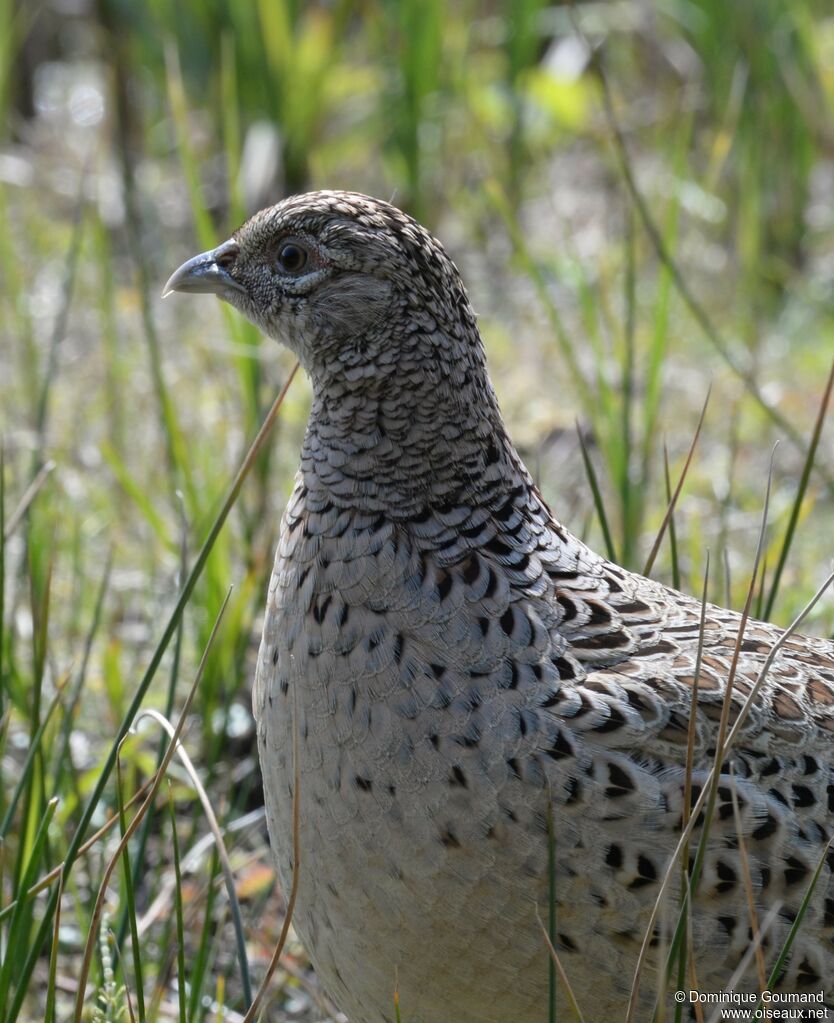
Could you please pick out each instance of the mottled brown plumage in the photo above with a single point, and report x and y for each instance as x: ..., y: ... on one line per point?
x: 462, y: 665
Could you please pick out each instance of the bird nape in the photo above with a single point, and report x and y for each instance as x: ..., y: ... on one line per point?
x: 477, y: 691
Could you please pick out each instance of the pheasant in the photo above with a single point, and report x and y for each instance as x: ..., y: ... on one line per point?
x: 473, y: 690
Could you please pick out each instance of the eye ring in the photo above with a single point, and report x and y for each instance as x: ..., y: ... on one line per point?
x: 292, y: 258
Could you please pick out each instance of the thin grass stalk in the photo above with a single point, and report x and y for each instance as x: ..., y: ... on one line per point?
x: 800, y: 495
x: 769, y: 919
x: 670, y: 508
x: 28, y: 497
x: 223, y: 856
x: 776, y: 972
x: 40, y: 557
x: 56, y: 872
x: 134, y: 824
x: 206, y: 949
x: 129, y: 1001
x: 673, y: 539
x: 130, y: 899
x: 653, y: 374
x: 171, y: 627
x: 760, y: 596
x: 686, y: 885
x: 567, y: 348
x: 178, y: 906
x: 599, y: 504
x: 147, y: 824
x: 252, y: 1012
x: 627, y: 491
x: 22, y: 909
x: 554, y: 958
x: 699, y: 803
x: 114, y: 370
x: 698, y: 312
x: 49, y: 1008
x: 176, y: 449
x: 711, y: 787
x: 723, y: 723
x: 230, y: 122
x: 60, y: 327
x: 63, y: 745
x: 25, y: 779
x: 748, y: 881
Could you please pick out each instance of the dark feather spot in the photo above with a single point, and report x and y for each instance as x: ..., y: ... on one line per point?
x: 614, y: 856
x: 606, y: 641
x: 471, y: 570
x: 497, y: 547
x: 614, y: 721
x: 600, y: 615
x: 561, y: 748
x: 765, y: 830
x: 563, y: 666
x: 795, y: 871
x: 803, y: 796
x: 621, y: 782
x: 647, y: 874
x: 727, y: 877
x: 449, y: 839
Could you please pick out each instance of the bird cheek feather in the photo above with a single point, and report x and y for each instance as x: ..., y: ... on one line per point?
x: 350, y: 305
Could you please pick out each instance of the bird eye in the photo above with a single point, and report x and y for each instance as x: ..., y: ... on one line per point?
x: 292, y: 258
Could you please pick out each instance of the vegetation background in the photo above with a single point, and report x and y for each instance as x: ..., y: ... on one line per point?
x: 640, y: 195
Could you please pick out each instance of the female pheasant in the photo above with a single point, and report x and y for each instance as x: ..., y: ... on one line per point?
x: 470, y: 679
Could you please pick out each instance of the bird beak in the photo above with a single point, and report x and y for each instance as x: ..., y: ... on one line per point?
x: 207, y: 273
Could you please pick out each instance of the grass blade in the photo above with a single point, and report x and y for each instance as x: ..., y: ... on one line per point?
x: 671, y: 506
x: 168, y: 633
x: 800, y: 495
x: 599, y: 504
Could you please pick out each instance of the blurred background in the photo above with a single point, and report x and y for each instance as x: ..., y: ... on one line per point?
x: 639, y: 194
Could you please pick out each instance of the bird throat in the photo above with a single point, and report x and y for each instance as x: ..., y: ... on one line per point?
x: 408, y: 441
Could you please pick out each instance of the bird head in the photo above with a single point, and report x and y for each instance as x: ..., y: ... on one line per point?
x: 344, y: 280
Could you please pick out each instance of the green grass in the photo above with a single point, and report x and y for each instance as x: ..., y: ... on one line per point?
x: 631, y: 238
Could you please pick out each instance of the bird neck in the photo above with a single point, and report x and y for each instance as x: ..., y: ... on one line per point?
x: 405, y: 438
